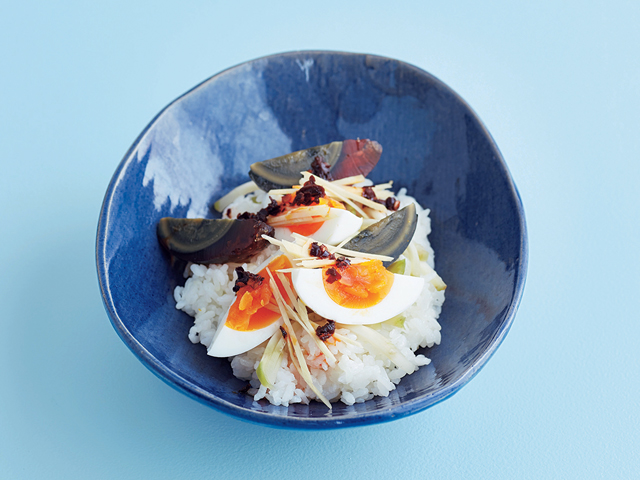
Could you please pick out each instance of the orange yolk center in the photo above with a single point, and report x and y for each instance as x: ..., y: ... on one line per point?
x: 308, y: 229
x: 361, y: 285
x: 249, y: 311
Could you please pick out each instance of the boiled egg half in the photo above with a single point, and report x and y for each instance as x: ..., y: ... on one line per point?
x: 331, y: 229
x: 359, y: 294
x: 254, y: 316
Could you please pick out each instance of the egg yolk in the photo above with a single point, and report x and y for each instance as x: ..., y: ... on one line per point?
x: 308, y: 229
x: 332, y: 203
x: 360, y: 285
x: 305, y: 229
x: 249, y: 311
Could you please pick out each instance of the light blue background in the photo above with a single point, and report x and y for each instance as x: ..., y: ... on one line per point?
x: 556, y: 83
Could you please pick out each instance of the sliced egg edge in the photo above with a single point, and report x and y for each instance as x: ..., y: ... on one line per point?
x: 229, y: 342
x: 310, y: 288
x: 340, y: 225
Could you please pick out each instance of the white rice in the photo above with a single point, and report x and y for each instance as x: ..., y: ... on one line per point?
x: 358, y: 374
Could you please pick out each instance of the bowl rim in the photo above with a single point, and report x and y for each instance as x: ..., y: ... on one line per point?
x: 407, y: 408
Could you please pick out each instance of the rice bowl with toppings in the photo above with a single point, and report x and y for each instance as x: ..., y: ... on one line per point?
x: 310, y: 343
x: 199, y: 148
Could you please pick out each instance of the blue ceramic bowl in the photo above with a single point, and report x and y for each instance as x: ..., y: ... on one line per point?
x: 201, y: 146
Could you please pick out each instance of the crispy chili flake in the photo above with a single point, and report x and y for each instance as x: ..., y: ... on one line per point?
x: 283, y: 332
x: 320, y: 251
x: 343, y: 263
x: 333, y: 275
x: 369, y: 194
x: 309, y: 193
x: 325, y: 331
x: 272, y: 209
x: 247, y: 279
x: 228, y: 213
x: 390, y: 203
x: 320, y: 168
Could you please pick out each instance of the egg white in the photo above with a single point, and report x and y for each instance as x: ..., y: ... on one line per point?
x: 310, y: 288
x: 340, y: 225
x: 229, y: 342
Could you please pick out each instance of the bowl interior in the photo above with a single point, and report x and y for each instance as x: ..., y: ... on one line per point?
x: 201, y: 146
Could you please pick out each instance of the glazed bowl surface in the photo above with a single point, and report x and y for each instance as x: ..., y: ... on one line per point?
x: 201, y: 145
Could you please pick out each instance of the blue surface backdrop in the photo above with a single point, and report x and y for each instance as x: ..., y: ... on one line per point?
x: 557, y: 85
